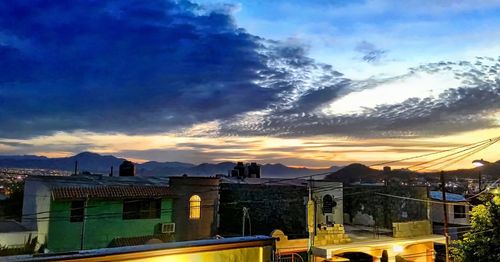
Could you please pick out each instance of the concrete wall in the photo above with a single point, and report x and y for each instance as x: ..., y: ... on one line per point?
x: 365, y: 205
x: 411, y: 229
x: 103, y: 223
x: 334, y: 189
x: 437, y: 213
x: 16, y: 239
x: 208, y: 190
x: 36, y: 207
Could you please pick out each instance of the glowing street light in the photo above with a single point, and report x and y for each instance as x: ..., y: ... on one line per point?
x: 397, y: 249
x: 480, y: 163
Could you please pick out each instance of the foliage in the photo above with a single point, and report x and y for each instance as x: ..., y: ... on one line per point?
x: 13, y: 206
x: 482, y: 242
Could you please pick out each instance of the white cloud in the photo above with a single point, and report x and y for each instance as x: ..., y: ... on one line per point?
x: 418, y: 85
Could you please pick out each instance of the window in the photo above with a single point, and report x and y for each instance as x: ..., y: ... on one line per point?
x: 77, y: 211
x: 328, y: 204
x: 141, y: 208
x: 459, y: 211
x: 194, y: 207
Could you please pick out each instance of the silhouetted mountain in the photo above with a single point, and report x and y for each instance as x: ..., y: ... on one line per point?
x: 354, y: 173
x: 87, y: 161
x: 96, y: 163
x: 361, y: 173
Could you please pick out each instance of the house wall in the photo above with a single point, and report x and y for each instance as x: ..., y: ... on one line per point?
x: 364, y: 205
x: 16, y: 239
x: 437, y: 213
x: 36, y: 207
x: 270, y: 207
x: 103, y: 223
x: 334, y: 189
x: 208, y: 190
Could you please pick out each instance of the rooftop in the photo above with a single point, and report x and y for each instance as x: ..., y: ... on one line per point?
x: 438, y: 195
x: 100, y: 186
x: 274, y: 181
x: 7, y: 226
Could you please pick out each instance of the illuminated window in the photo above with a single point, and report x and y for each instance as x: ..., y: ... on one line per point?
x: 194, y: 207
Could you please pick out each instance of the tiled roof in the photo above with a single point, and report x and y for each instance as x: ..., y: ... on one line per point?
x: 110, y: 192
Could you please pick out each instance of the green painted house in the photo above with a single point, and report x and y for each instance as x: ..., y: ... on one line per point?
x: 93, y: 211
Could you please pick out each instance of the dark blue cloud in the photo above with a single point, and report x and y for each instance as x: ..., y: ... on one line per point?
x: 125, y: 66
x: 467, y: 107
x: 371, y: 54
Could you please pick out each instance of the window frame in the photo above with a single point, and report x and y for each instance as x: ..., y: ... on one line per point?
x: 195, y: 207
x: 77, y: 211
x: 149, y: 208
x: 460, y: 213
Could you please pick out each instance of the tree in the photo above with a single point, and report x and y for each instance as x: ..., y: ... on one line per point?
x: 13, y: 205
x: 482, y: 242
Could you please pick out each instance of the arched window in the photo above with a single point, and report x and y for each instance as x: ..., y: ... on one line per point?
x: 328, y: 204
x: 194, y: 207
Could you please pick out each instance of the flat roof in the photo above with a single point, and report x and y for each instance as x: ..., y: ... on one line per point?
x: 451, y: 197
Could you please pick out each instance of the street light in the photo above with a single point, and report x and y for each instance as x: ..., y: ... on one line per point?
x: 481, y: 162
x: 478, y: 163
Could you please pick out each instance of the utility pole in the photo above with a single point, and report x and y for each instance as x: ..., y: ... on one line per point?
x: 480, y: 181
x: 82, y: 234
x: 445, y: 209
x: 76, y: 167
x: 311, y: 222
x: 245, y: 215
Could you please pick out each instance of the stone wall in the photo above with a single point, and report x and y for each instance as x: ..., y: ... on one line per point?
x: 364, y: 205
x: 270, y: 207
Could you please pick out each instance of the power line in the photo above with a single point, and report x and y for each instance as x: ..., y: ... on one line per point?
x: 429, y: 154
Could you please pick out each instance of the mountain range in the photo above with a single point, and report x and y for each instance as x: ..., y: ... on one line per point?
x: 360, y: 173
x: 96, y: 163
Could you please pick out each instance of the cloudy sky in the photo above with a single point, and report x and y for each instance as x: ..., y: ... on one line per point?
x: 304, y: 83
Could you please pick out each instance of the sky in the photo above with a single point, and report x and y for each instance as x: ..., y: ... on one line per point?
x: 304, y: 83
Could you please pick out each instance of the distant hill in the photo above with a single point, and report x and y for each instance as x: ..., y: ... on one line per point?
x: 361, y: 173
x: 96, y: 163
x: 354, y: 173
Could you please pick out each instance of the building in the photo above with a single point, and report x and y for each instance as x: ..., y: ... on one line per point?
x: 196, y: 202
x: 458, y: 210
x: 96, y: 211
x: 407, y: 239
x: 15, y: 237
x: 260, y: 205
x: 380, y: 206
x: 242, y: 171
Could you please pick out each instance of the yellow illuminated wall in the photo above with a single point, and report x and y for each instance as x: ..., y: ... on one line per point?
x: 251, y: 254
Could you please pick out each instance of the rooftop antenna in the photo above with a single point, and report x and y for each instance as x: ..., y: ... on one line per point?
x: 76, y: 167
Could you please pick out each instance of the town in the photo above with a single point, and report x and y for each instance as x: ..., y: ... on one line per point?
x: 253, y: 131
x: 379, y: 216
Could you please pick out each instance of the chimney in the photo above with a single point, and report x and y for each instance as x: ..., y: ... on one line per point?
x: 127, y: 168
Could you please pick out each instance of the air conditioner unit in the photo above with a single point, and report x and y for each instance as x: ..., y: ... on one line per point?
x: 168, y: 227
